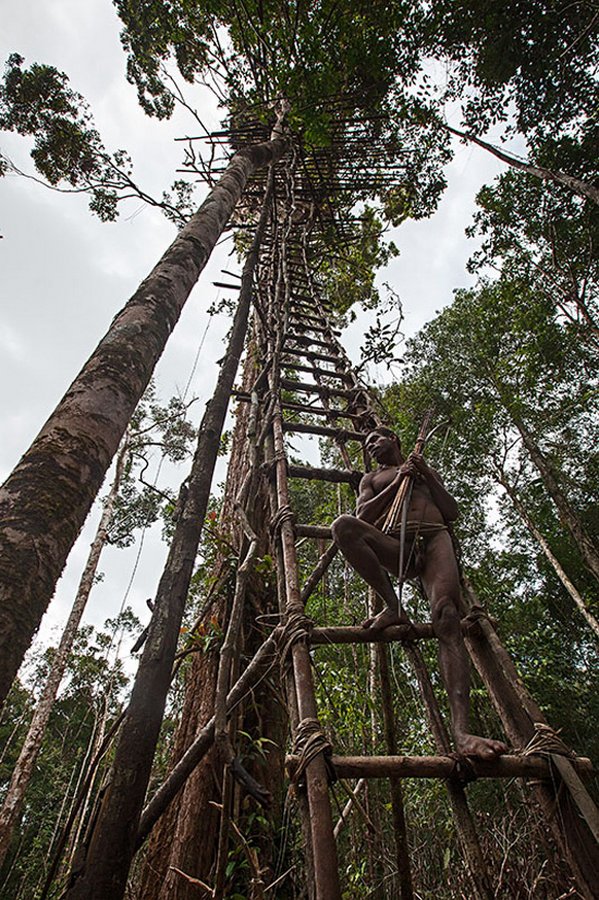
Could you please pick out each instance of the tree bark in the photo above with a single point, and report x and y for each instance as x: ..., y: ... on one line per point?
x: 44, y: 502
x: 21, y: 775
x: 576, y: 185
x: 112, y: 842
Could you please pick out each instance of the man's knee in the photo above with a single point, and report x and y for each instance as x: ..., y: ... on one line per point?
x: 445, y: 616
x: 343, y: 529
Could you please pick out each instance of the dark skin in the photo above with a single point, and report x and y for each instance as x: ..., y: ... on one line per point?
x: 374, y: 555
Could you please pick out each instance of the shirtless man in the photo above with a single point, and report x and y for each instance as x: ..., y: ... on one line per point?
x: 374, y: 554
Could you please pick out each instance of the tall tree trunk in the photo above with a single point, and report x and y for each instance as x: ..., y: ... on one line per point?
x: 44, y: 502
x: 186, y: 836
x: 568, y: 516
x: 112, y: 844
x: 548, y: 552
x: 576, y: 185
x: 21, y: 775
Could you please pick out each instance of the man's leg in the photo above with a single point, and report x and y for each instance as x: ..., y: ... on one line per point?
x: 372, y: 554
x: 440, y: 579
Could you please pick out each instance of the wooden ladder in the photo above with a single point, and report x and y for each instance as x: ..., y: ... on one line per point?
x: 306, y: 359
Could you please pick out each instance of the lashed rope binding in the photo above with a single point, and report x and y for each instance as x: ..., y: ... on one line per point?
x: 297, y: 627
x: 310, y: 740
x: 283, y: 514
x: 546, y: 741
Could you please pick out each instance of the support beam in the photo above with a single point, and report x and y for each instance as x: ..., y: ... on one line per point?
x: 335, y: 476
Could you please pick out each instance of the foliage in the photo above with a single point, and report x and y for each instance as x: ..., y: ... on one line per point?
x: 154, y: 427
x: 539, y: 57
x: 546, y: 237
x: 67, y: 147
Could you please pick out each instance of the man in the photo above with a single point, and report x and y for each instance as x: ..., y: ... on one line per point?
x: 428, y: 555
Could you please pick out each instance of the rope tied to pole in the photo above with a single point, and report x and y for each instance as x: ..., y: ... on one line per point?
x: 310, y: 740
x: 546, y: 741
x: 283, y: 514
x: 298, y: 627
x: 474, y: 617
x: 463, y: 770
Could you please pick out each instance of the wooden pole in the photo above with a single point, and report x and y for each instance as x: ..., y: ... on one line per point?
x: 519, y: 713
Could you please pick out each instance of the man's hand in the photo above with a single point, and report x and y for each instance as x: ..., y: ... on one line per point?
x: 414, y: 465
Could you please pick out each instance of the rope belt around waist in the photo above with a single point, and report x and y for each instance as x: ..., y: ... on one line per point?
x: 416, y: 529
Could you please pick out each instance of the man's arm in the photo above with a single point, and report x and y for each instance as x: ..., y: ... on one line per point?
x: 441, y: 497
x: 371, y: 506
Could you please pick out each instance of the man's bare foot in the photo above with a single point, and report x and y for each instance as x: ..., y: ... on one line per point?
x: 385, y: 618
x: 479, y: 747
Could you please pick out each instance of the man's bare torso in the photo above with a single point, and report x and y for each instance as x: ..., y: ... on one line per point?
x: 422, y: 507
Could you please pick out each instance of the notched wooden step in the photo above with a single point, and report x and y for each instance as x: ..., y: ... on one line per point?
x: 530, y: 766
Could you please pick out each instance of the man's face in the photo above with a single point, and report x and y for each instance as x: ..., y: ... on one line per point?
x: 381, y: 447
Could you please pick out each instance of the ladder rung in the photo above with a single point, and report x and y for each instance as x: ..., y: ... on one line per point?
x: 320, y: 411
x: 298, y: 351
x: 295, y: 304
x: 302, y: 325
x: 302, y: 317
x: 443, y: 766
x: 306, y: 428
x: 294, y: 308
x: 315, y: 370
x: 336, y: 476
x: 322, y: 532
x: 310, y: 341
x: 323, y: 389
x: 355, y: 634
x: 223, y: 284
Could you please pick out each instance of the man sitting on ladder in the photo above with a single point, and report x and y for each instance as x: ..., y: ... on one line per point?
x: 375, y: 544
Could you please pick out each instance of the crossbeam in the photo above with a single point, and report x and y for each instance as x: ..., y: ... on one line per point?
x: 530, y: 766
x: 355, y: 634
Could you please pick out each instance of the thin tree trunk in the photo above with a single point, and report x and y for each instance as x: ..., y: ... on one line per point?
x: 45, y: 501
x: 555, y: 563
x: 576, y: 185
x: 21, y: 775
x: 112, y: 844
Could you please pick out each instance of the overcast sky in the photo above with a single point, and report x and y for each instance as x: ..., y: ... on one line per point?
x: 65, y: 274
